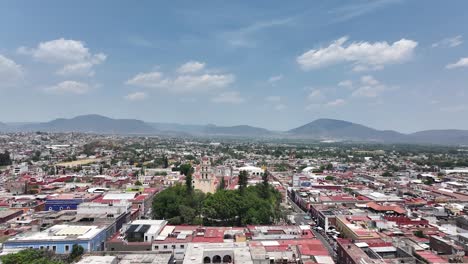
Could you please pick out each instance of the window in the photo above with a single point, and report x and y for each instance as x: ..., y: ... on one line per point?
x: 182, y: 246
x: 67, y: 248
x: 173, y: 246
x: 54, y: 248
x: 42, y: 247
x: 165, y: 246
x: 156, y: 247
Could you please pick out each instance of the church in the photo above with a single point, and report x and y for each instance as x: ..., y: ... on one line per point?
x: 204, y: 178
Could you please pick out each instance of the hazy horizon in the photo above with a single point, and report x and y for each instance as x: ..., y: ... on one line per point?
x: 387, y: 64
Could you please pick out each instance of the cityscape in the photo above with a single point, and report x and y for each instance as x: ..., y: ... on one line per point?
x: 234, y: 132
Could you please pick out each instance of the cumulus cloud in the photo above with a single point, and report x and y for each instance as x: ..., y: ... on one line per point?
x: 276, y: 102
x: 462, y: 62
x: 73, y: 55
x: 136, y: 96
x: 274, y: 79
x: 273, y: 98
x: 244, y: 37
x: 10, y: 71
x: 69, y: 87
x: 346, y: 83
x: 369, y: 87
x: 454, y: 108
x: 195, y: 82
x: 315, y: 95
x: 230, y: 97
x: 280, y: 107
x: 337, y: 102
x: 191, y: 66
x: 449, y: 42
x: 363, y: 55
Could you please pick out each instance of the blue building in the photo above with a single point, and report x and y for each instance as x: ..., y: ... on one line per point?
x: 68, y: 201
x: 61, y: 238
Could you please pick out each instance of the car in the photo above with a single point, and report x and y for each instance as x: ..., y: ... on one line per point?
x: 307, y: 217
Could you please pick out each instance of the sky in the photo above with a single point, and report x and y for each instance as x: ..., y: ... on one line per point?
x: 387, y: 64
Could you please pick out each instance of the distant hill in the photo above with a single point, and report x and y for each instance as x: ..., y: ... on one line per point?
x: 344, y: 130
x: 320, y: 129
x: 92, y: 124
x: 3, y: 127
x: 179, y: 128
x: 447, y: 136
x: 242, y: 130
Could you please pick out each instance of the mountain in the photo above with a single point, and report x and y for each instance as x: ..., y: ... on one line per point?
x: 242, y: 130
x: 344, y: 130
x: 320, y: 129
x: 3, y: 127
x: 446, y: 137
x: 200, y: 130
x: 93, y: 124
x: 179, y: 128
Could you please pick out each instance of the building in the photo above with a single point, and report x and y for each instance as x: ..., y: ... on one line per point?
x: 204, y: 178
x: 61, y: 238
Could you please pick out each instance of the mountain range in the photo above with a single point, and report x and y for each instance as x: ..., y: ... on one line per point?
x: 320, y: 129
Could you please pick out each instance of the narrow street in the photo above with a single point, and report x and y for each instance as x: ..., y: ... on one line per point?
x: 323, y: 239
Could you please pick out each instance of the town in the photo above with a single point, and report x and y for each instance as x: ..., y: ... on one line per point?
x: 88, y: 198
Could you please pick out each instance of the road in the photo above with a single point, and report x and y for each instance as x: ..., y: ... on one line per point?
x: 325, y: 243
x: 300, y: 215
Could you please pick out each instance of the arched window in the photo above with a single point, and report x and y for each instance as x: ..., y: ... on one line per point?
x: 207, y: 260
x: 217, y: 259
x: 227, y: 259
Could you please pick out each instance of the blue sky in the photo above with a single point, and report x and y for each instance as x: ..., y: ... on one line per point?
x: 388, y: 64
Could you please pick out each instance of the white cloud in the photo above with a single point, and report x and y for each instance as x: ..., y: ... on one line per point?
x: 314, y: 95
x: 230, y: 97
x: 149, y: 80
x: 243, y: 37
x: 364, y: 55
x: 370, y: 87
x: 337, y: 102
x: 454, y: 108
x: 202, y: 82
x: 346, y: 83
x: 191, y: 66
x: 356, y: 9
x: 72, y: 54
x: 84, y: 68
x: 273, y: 98
x: 68, y: 87
x: 183, y: 82
x: 280, y: 107
x: 10, y: 71
x: 462, y: 62
x: 136, y: 96
x: 449, y: 42
x: 274, y: 79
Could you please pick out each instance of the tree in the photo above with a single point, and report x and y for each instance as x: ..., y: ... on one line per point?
x: 419, y: 233
x: 387, y: 174
x: 30, y: 256
x: 222, y: 184
x: 76, y: 252
x: 138, y: 183
x: 185, y: 169
x: 165, y: 162
x: 243, y: 178
x: 171, y: 204
x: 265, y: 185
x: 5, y: 159
x: 189, y: 183
x: 329, y: 178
